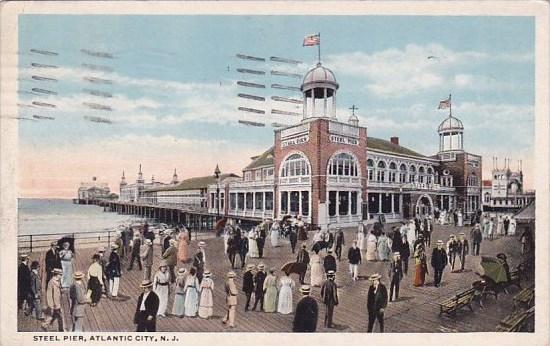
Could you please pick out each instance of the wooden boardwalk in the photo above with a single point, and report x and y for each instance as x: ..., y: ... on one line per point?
x: 416, y: 310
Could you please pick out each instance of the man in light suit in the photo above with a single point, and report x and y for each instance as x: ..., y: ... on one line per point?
x: 77, y: 293
x: 170, y: 255
x: 53, y: 301
x: 146, y: 255
x: 231, y: 300
x: 147, y: 308
x: 376, y: 302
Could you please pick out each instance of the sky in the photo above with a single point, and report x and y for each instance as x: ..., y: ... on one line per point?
x: 174, y: 101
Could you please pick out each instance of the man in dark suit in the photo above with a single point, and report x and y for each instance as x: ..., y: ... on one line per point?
x: 248, y: 284
x: 261, y: 239
x: 243, y: 248
x: 395, y: 274
x: 136, y: 245
x: 293, y: 237
x: 147, y: 308
x: 52, y: 261
x: 307, y: 310
x: 232, y: 248
x: 259, y: 279
x: 339, y: 243
x: 24, y: 283
x: 463, y: 249
x: 199, y: 260
x: 329, y: 294
x: 377, y: 300
x: 303, y: 257
x: 439, y: 261
x: 329, y: 263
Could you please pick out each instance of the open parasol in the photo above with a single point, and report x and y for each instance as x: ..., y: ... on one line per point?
x: 294, y: 267
x: 494, y: 269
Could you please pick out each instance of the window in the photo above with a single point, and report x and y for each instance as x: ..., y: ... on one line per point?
x: 269, y: 201
x: 295, y: 165
x: 343, y: 200
x: 259, y: 174
x: 332, y: 203
x: 370, y: 169
x: 247, y: 176
x: 268, y: 173
x: 233, y: 201
x: 294, y: 201
x: 222, y: 200
x: 240, y: 201
x: 412, y: 174
x: 402, y: 173
x: 305, y: 203
x: 343, y: 164
x: 380, y: 172
x: 354, y: 203
x: 249, y: 201
x: 487, y: 197
x: 393, y: 169
x: 284, y: 202
x: 259, y: 201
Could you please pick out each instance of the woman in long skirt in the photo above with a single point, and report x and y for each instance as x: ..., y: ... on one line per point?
x: 383, y: 248
x: 183, y: 246
x: 226, y: 236
x: 513, y: 225
x: 253, y: 244
x: 275, y: 234
x: 371, y: 248
x: 361, y: 243
x: 95, y: 280
x: 317, y: 271
x: 286, y: 285
x: 191, y: 294
x: 179, y: 298
x: 206, y: 306
x: 270, y: 289
x: 66, y: 256
x: 420, y: 267
x: 161, y: 286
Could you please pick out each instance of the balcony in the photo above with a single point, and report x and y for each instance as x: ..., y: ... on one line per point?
x: 297, y: 180
x: 343, y: 180
x: 410, y: 186
x: 261, y: 214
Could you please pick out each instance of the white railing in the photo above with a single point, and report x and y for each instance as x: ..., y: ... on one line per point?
x: 293, y: 131
x: 294, y: 180
x: 344, y: 180
x: 343, y: 129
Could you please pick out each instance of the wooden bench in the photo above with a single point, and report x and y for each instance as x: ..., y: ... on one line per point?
x: 451, y: 305
x: 515, y: 279
x: 515, y: 321
x: 524, y: 298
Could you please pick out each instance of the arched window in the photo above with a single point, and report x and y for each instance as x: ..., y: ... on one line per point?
x: 429, y: 177
x: 295, y: 165
x: 370, y: 169
x: 381, y: 171
x: 393, y: 172
x: 421, y: 177
x: 412, y: 174
x: 343, y: 164
x: 402, y: 173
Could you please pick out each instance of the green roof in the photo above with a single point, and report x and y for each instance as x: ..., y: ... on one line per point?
x: 194, y: 183
x: 387, y: 146
x: 266, y: 159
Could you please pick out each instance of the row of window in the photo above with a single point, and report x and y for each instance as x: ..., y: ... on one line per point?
x: 260, y: 174
x: 342, y: 202
x: 251, y: 201
x: 295, y: 202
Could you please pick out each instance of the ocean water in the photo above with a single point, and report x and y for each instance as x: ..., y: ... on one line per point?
x: 61, y: 216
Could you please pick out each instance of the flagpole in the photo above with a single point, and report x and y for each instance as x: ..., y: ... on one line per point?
x: 319, y: 47
x: 450, y: 106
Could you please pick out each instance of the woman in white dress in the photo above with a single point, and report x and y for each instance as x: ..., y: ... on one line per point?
x: 275, y: 234
x: 191, y: 294
x: 512, y: 227
x: 384, y: 249
x: 500, y: 225
x: 161, y: 285
x: 317, y: 271
x: 371, y: 247
x: 226, y: 234
x: 206, y: 306
x: 360, y: 237
x: 286, y: 285
x: 179, y: 297
x: 66, y: 256
x: 253, y: 244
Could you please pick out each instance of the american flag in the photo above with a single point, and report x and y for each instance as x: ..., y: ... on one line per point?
x: 445, y: 103
x: 312, y: 40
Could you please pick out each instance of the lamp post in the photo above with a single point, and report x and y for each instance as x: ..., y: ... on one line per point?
x: 217, y: 175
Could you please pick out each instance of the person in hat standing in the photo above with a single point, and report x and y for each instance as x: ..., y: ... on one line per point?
x: 329, y: 262
x: 303, y: 257
x: 248, y: 284
x: 439, y: 262
x: 253, y: 251
x: 329, y: 294
x: 103, y: 263
x: 259, y: 279
x: 147, y: 308
x: 260, y: 240
x: 421, y: 266
x: 24, y: 283
x: 178, y: 308
x: 206, y: 304
x: 120, y: 245
x: 114, y: 271
x: 66, y: 256
x: 170, y: 255
x: 52, y: 261
x: 452, y: 250
x: 95, y: 280
x: 307, y: 311
x: 293, y: 238
x: 405, y: 253
x: 53, y: 301
x: 463, y: 249
x: 243, y: 247
x: 377, y: 300
x: 231, y: 247
x: 419, y: 240
x: 354, y: 258
x: 146, y: 255
x: 36, y: 291
x: 395, y: 274
x: 161, y: 286
x: 77, y: 294
x: 199, y: 260
x: 340, y: 242
x: 317, y: 272
x: 231, y: 300
x: 476, y: 238
x: 275, y: 234
x: 372, y: 252
x: 136, y: 245
x: 192, y: 287
x: 286, y: 285
x: 270, y: 292
x: 183, y: 246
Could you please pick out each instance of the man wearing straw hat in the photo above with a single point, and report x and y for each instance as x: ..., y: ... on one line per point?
x: 77, y: 293
x: 147, y: 307
x: 136, y: 244
x: 439, y: 261
x: 146, y: 255
x: 462, y: 250
x: 248, y: 284
x: 52, y: 261
x: 170, y: 255
x: 114, y: 270
x: 303, y: 257
x: 329, y: 294
x: 307, y: 310
x: 53, y: 301
x: 259, y: 279
x: 36, y: 291
x: 377, y: 300
x: 395, y: 275
x: 231, y: 300
x: 103, y: 263
x: 199, y: 260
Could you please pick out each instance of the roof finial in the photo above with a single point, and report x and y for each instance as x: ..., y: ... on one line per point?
x: 353, y: 109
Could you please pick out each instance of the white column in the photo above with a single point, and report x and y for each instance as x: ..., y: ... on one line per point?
x: 325, y: 102
x: 334, y: 103
x: 300, y: 202
x: 313, y: 102
x: 392, y: 204
x: 253, y: 201
x: 305, y: 107
x: 263, y: 204
x: 401, y: 203
x: 349, y: 203
x: 380, y: 203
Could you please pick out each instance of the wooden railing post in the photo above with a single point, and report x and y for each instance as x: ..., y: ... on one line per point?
x: 31, y: 242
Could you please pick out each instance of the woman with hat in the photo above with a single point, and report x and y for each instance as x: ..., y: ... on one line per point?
x: 66, y: 256
x: 179, y: 298
x: 253, y: 251
x: 161, y: 286
x: 371, y: 247
x: 317, y: 272
x: 191, y: 294
x: 206, y: 306
x: 183, y: 246
x: 95, y: 280
x: 286, y: 285
x: 113, y: 270
x: 77, y: 293
x: 421, y: 265
x: 270, y: 292
x: 275, y: 234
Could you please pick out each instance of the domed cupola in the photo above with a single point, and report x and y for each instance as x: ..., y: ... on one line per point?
x: 319, y: 92
x: 451, y: 130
